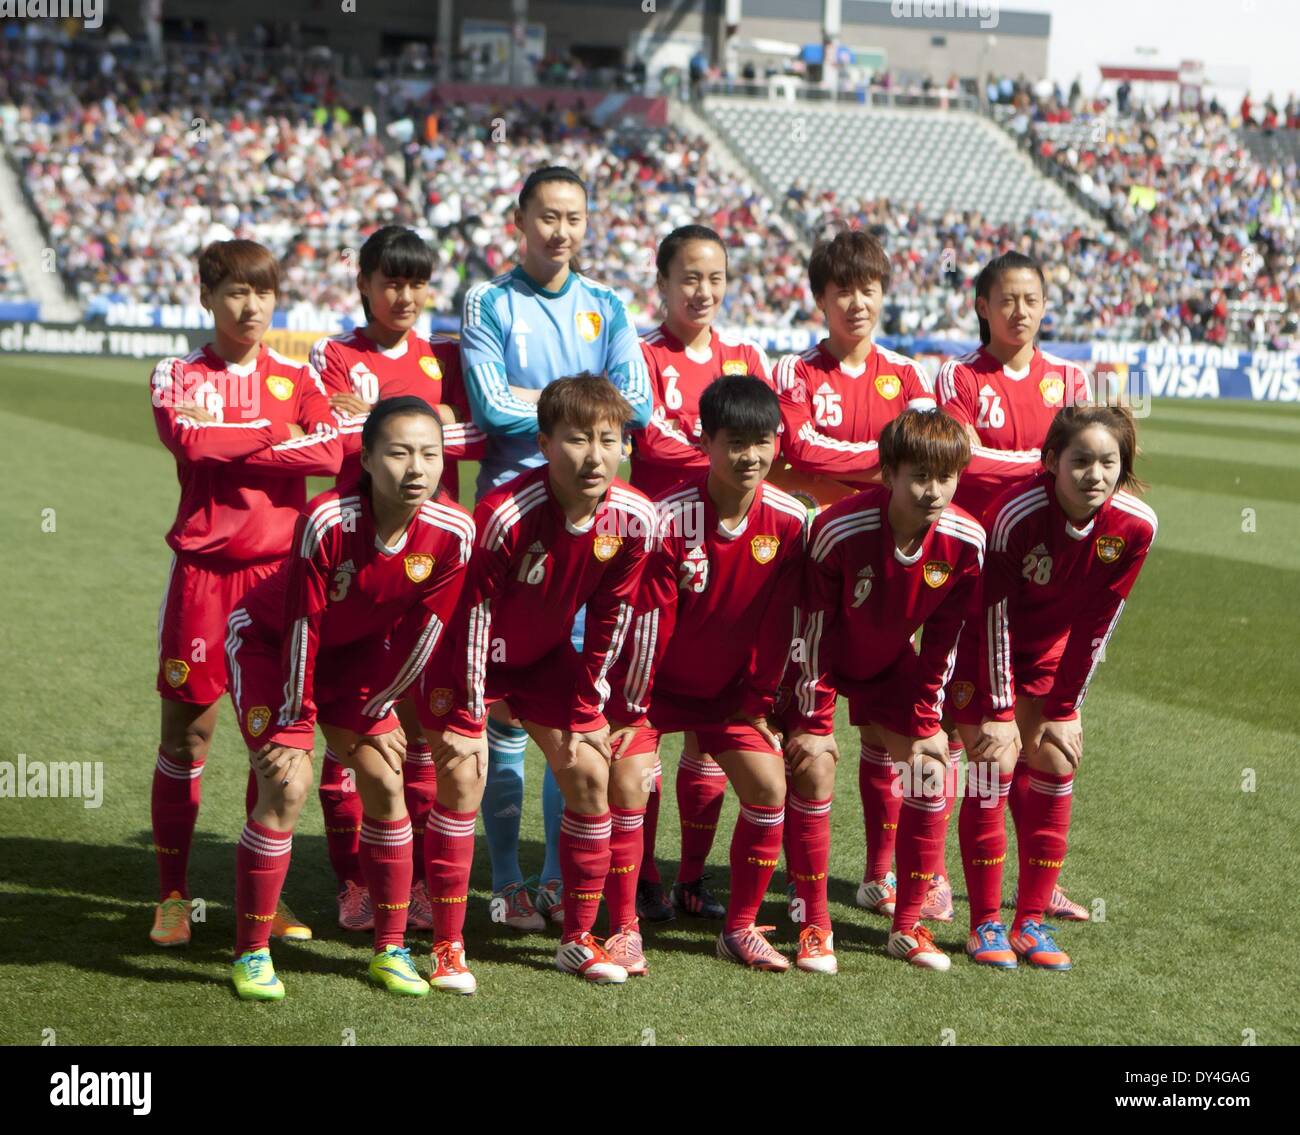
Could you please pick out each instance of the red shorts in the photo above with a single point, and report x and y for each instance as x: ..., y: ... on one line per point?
x: 887, y: 701
x: 541, y: 692
x: 1034, y: 675
x: 669, y: 715
x: 192, y: 627
x: 345, y: 683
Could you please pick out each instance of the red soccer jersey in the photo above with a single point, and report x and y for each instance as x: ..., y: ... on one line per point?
x: 716, y: 607
x: 243, y: 481
x: 863, y: 600
x: 832, y: 417
x: 667, y: 450
x: 351, y: 363
x: 532, y: 570
x: 1054, y: 592
x: 340, y: 585
x: 1009, y: 410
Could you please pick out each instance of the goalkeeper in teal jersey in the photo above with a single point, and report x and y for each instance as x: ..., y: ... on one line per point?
x: 540, y: 321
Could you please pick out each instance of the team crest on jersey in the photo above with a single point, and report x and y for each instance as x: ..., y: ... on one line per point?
x: 430, y: 366
x: 936, y: 572
x: 588, y: 325
x: 258, y: 719
x: 605, y: 547
x: 175, y: 671
x: 418, y: 567
x: 280, y: 387
x: 1109, y: 548
x: 888, y: 386
x: 735, y: 366
x: 1053, y: 390
x: 764, y: 548
x: 962, y: 692
x: 440, y: 700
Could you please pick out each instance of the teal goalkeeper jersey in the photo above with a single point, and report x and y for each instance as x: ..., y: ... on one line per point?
x: 516, y: 333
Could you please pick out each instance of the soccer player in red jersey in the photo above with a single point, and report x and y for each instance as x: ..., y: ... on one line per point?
x: 1064, y: 552
x: 1007, y: 394
x: 684, y: 354
x: 881, y: 565
x: 837, y: 396
x: 558, y: 536
x: 388, y: 358
x: 246, y: 426
x: 715, y: 619
x: 338, y: 633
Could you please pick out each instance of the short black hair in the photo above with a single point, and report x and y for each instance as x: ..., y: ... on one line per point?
x: 398, y: 253
x: 387, y: 408
x: 676, y: 240
x: 741, y: 403
x: 992, y: 271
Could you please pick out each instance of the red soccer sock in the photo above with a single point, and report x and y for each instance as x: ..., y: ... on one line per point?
x: 808, y: 855
x: 1019, y: 790
x: 449, y: 853
x: 261, y: 863
x: 387, y: 866
x: 341, y: 806
x: 174, y: 810
x: 1042, y: 840
x: 419, y: 786
x: 982, y: 832
x: 650, y: 830
x: 755, y: 851
x: 880, y: 805
x: 955, y: 754
x: 921, y: 826
x: 584, y: 864
x: 701, y: 785
x: 626, y: 846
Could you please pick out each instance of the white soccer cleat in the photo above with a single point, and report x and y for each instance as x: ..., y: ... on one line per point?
x: 587, y: 958
x: 918, y: 948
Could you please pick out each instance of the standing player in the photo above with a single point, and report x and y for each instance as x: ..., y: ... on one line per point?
x: 715, y: 619
x: 1006, y: 393
x: 388, y: 358
x: 1064, y: 553
x: 339, y: 632
x: 881, y: 565
x: 519, y: 332
x: 247, y: 426
x: 683, y: 355
x: 551, y: 540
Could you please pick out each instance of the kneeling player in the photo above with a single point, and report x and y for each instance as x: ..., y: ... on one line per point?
x: 339, y: 632
x: 1064, y: 552
x: 715, y: 618
x: 564, y: 534
x: 882, y: 565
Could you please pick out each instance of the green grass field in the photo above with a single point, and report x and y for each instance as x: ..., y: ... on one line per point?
x: 1199, y: 686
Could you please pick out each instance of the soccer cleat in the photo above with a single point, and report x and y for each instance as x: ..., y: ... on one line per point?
x: 393, y: 969
x: 697, y: 900
x: 625, y: 949
x: 918, y: 948
x: 450, y: 973
x: 1035, y: 944
x: 254, y: 977
x: 550, y: 901
x: 171, y: 921
x: 817, y: 951
x: 420, y: 914
x: 587, y: 958
x: 1060, y: 905
x: 355, y: 911
x: 750, y: 948
x: 288, y: 926
x: 988, y: 946
x: 652, y: 903
x: 879, y: 895
x: 937, y: 906
x: 515, y: 908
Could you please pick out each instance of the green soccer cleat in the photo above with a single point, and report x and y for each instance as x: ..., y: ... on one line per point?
x: 394, y: 970
x: 254, y: 977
